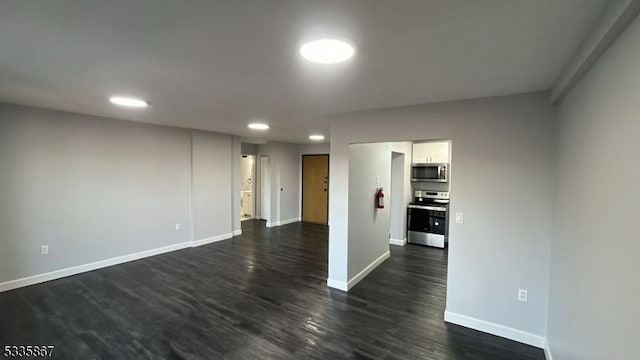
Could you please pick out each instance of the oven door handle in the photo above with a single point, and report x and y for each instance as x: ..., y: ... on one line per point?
x: 423, y: 207
x: 441, y: 201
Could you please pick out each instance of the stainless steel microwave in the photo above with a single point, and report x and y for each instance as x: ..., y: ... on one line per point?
x: 430, y: 172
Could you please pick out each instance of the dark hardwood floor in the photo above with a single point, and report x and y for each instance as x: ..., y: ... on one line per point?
x: 262, y: 295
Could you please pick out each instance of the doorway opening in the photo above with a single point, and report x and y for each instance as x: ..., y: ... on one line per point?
x: 392, y: 201
x: 397, y: 200
x: 247, y: 187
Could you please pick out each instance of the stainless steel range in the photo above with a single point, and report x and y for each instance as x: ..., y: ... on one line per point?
x: 428, y: 218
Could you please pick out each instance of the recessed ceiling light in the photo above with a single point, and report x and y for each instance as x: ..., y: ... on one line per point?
x: 130, y: 102
x: 327, y: 51
x: 258, y: 126
x: 316, y: 137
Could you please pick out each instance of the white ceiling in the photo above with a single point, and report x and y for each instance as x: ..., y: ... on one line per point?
x: 218, y: 65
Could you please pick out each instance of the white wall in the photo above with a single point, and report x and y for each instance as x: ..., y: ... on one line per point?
x: 248, y: 148
x: 211, y: 179
x: 502, y: 182
x: 593, y: 300
x: 369, y: 169
x: 284, y: 173
x: 93, y: 189
x: 315, y: 149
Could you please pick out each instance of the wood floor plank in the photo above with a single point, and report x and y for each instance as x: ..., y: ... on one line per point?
x: 262, y: 295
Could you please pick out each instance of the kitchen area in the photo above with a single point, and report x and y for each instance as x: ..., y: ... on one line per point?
x: 428, y: 212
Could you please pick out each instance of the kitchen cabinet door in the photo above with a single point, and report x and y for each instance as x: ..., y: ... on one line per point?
x: 431, y: 152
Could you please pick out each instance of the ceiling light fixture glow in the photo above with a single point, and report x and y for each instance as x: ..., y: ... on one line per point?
x: 129, y: 102
x: 316, y: 137
x: 327, y: 51
x: 258, y: 126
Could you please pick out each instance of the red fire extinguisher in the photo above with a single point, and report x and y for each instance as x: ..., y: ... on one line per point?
x: 379, y: 199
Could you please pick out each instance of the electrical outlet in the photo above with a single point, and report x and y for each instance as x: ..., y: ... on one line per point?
x: 459, y: 218
x: 178, y: 227
x: 44, y: 250
x: 522, y: 295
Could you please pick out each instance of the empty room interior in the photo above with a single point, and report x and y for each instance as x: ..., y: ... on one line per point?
x: 296, y: 179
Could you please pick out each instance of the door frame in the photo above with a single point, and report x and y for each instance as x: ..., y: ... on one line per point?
x: 265, y: 189
x: 397, y: 202
x: 302, y: 184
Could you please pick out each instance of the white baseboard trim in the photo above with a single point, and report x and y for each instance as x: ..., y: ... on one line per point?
x: 74, y: 270
x: 495, y: 329
x: 398, y: 242
x: 237, y: 232
x: 290, y: 221
x: 283, y: 222
x: 336, y: 284
x: 547, y: 350
x: 212, y: 239
x: 58, y: 274
x: 361, y: 275
x: 341, y: 285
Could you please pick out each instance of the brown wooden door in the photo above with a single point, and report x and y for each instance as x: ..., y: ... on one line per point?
x: 315, y: 188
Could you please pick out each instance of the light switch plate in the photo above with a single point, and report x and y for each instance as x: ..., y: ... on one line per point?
x: 44, y: 250
x: 178, y: 227
x: 522, y: 295
x: 459, y: 218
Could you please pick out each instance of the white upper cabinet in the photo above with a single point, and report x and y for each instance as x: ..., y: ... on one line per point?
x: 431, y: 152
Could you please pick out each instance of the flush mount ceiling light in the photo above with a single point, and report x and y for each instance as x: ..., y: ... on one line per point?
x: 316, y: 137
x: 129, y: 102
x: 258, y: 126
x: 327, y: 51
